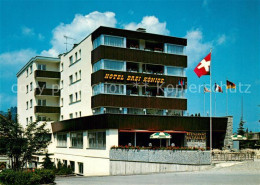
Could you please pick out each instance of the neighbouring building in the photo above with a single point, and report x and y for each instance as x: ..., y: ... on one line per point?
x: 115, y: 87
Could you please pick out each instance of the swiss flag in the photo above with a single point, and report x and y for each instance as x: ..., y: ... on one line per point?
x: 203, y: 68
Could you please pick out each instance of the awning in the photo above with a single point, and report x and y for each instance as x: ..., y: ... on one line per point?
x: 153, y: 131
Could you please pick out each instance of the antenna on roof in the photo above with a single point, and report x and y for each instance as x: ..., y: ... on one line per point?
x: 67, y: 37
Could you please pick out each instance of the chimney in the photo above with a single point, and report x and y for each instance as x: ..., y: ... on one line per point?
x: 143, y: 30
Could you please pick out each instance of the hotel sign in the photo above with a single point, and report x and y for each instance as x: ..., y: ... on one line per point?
x: 133, y: 78
x: 195, y: 136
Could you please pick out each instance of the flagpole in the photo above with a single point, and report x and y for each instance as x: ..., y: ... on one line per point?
x: 210, y: 122
x: 226, y: 98
x: 204, y: 103
x: 215, y: 104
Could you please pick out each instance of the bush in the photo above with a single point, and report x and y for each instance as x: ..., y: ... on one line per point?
x: 42, y: 176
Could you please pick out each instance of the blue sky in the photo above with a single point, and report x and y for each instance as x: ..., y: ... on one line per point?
x: 231, y: 28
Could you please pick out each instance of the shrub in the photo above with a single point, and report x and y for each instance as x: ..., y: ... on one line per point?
x: 10, y: 177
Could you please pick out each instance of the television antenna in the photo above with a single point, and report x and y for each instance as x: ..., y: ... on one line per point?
x: 67, y: 37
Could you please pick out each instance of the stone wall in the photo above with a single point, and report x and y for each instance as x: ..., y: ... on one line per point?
x: 228, y: 143
x: 190, y: 157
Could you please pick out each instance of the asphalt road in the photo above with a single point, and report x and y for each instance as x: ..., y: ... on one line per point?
x: 245, y: 173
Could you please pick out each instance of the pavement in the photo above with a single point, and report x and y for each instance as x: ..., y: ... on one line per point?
x: 244, y: 173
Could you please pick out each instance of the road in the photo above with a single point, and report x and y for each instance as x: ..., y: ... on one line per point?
x: 245, y: 173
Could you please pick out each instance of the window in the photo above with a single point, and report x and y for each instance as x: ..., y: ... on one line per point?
x: 31, y: 103
x: 79, y: 95
x: 71, y: 60
x: 41, y: 118
x: 113, y: 89
x: 27, y: 73
x: 113, y: 110
x: 135, y: 111
x: 41, y: 102
x: 76, y: 56
x: 72, y: 166
x: 41, y: 67
x: 97, y: 139
x: 61, y: 84
x: 114, y: 65
x: 62, y: 139
x: 80, y: 53
x: 79, y: 113
x: 61, y: 66
x: 76, y: 139
x: 79, y: 74
x: 61, y: 117
x: 97, y: 42
x: 71, y: 98
x: 76, y: 76
x: 76, y: 96
x: 65, y: 162
x: 174, y: 93
x: 114, y: 41
x: 31, y: 119
x: 31, y: 86
x: 27, y: 105
x: 27, y: 121
x: 174, y: 49
x: 61, y: 102
x: 81, y: 171
x: 71, y: 116
x: 71, y: 79
x: 76, y: 114
x: 31, y: 69
x: 174, y: 71
x: 27, y: 88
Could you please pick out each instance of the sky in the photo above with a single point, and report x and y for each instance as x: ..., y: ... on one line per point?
x: 231, y: 28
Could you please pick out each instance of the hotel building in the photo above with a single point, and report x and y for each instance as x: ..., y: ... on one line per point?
x: 115, y: 87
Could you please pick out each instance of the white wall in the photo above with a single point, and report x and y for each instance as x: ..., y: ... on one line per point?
x: 95, y: 161
x: 84, y: 85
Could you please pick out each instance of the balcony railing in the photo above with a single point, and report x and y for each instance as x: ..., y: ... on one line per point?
x: 46, y: 74
x: 46, y: 109
x: 46, y: 92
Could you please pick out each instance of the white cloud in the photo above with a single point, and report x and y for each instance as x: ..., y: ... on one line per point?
x: 221, y: 39
x: 79, y: 28
x: 152, y: 25
x: 17, y: 57
x: 196, y: 47
x: 27, y: 31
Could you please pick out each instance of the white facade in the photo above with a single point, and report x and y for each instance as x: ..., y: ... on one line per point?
x: 80, y: 88
x: 28, y: 81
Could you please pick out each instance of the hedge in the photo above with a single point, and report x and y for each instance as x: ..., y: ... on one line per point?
x: 41, y: 176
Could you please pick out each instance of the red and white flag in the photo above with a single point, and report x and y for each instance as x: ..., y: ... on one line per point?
x: 203, y: 68
x: 218, y: 88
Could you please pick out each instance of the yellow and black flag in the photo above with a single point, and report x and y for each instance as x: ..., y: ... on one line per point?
x: 230, y: 85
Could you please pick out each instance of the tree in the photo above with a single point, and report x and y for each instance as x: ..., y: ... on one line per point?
x: 20, y: 144
x: 240, y: 130
x: 47, y: 163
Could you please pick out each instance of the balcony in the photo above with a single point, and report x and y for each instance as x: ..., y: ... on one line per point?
x: 135, y: 55
x: 46, y: 109
x: 47, y: 74
x: 106, y: 100
x: 46, y: 92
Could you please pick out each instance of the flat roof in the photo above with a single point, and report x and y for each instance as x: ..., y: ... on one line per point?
x: 138, y: 35
x: 34, y: 59
x: 141, y: 122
